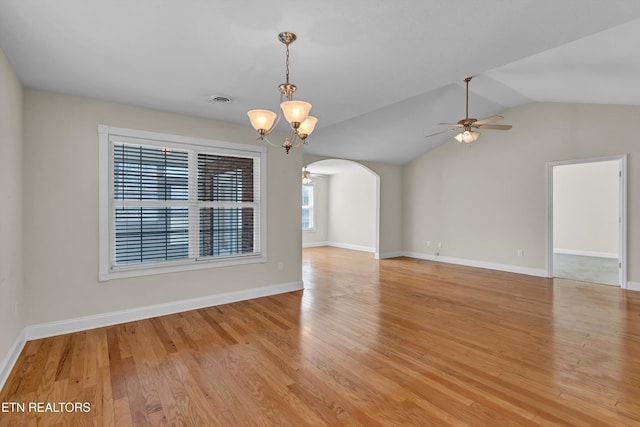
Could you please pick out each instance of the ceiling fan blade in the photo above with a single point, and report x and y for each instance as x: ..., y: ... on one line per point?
x: 451, y: 124
x: 444, y: 131
x: 496, y: 127
x: 488, y: 120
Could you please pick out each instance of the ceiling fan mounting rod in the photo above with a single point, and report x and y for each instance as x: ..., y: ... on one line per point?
x: 467, y: 80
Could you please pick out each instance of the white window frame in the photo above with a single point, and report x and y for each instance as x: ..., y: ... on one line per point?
x: 106, y: 137
x: 311, y: 207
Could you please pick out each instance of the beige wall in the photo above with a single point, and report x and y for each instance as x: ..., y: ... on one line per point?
x: 391, y: 199
x: 61, y: 212
x: 352, y: 209
x: 12, y: 308
x: 586, y: 208
x: 487, y: 200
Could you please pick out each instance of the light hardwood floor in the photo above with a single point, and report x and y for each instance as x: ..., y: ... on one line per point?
x: 372, y: 343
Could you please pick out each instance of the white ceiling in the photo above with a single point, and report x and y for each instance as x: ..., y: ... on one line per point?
x: 380, y: 74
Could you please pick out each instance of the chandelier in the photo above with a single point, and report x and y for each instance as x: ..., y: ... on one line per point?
x: 295, y: 112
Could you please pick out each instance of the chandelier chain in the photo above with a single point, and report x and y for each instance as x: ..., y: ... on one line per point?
x: 287, y: 64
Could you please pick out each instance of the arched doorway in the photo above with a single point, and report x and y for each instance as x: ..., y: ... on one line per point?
x: 342, y: 204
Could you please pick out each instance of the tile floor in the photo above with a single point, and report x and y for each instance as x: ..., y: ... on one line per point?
x: 586, y: 268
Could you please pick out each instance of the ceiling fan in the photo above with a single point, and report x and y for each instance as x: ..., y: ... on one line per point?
x: 465, y: 125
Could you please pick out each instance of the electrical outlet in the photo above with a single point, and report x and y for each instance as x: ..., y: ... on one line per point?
x: 280, y: 266
x: 520, y: 252
x: 439, y: 244
x: 428, y: 243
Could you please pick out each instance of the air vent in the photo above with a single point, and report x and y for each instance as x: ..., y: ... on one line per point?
x: 219, y: 99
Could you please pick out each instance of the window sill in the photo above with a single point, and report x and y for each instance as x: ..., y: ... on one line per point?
x: 151, y: 269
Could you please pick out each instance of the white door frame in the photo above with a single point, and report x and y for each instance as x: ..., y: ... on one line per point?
x: 622, y: 240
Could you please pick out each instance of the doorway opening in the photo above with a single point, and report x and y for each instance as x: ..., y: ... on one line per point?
x: 587, y: 220
x: 345, y: 196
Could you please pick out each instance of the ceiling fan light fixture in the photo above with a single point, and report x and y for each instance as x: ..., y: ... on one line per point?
x: 467, y: 136
x: 306, y: 176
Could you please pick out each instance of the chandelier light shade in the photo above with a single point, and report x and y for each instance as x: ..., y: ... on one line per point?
x: 296, y: 113
x: 307, y: 126
x: 262, y: 120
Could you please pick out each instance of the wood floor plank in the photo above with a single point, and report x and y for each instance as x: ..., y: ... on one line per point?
x: 367, y: 343
x: 222, y: 333
x: 41, y: 362
x: 194, y: 401
x: 162, y: 334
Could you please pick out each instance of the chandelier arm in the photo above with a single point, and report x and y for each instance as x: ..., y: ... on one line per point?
x: 277, y: 121
x: 263, y: 138
x: 300, y: 143
x: 274, y: 125
x: 294, y: 136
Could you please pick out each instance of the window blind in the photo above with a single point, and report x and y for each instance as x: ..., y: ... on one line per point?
x: 145, y: 173
x: 227, y: 196
x: 173, y: 204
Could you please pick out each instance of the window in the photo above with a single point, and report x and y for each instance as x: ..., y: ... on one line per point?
x: 171, y: 203
x: 307, y: 208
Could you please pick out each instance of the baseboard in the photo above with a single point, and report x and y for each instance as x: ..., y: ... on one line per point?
x: 633, y: 286
x: 315, y: 244
x: 585, y: 253
x: 539, y: 272
x: 340, y: 245
x: 352, y: 247
x: 385, y: 255
x: 377, y: 255
x: 49, y: 329
x: 12, y: 357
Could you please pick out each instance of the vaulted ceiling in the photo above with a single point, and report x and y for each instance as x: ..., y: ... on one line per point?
x: 380, y: 74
